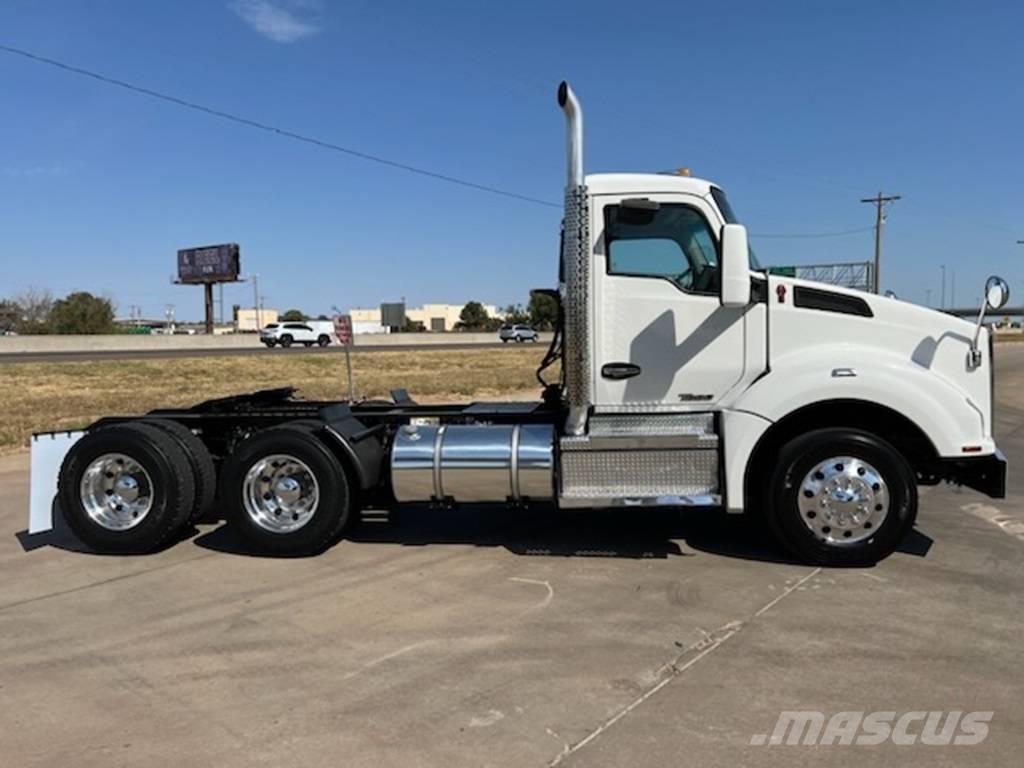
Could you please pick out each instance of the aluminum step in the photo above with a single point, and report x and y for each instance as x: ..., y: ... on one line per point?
x: 642, y: 460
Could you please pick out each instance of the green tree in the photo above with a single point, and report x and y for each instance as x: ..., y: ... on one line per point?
x: 10, y: 314
x: 515, y: 315
x: 473, y: 317
x: 293, y: 316
x: 81, y: 312
x: 543, y: 311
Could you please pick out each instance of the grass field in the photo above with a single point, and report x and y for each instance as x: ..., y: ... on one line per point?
x: 49, y: 396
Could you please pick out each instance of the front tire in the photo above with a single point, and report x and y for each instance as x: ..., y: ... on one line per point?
x: 126, y: 489
x: 285, y: 492
x: 841, y: 497
x: 286, y: 341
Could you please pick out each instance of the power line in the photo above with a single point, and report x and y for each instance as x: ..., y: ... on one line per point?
x: 813, y: 235
x: 272, y: 129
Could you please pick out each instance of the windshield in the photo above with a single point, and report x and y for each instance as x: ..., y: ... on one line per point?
x: 730, y: 218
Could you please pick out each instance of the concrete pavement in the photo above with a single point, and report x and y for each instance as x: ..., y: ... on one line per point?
x: 511, y: 639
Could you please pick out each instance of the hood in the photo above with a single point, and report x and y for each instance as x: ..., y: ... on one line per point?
x: 803, y: 313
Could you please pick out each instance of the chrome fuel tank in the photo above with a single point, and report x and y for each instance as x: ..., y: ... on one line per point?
x: 470, y: 463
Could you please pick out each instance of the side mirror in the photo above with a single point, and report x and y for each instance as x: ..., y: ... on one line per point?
x: 997, y: 293
x: 735, y: 267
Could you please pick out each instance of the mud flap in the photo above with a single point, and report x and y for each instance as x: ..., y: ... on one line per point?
x: 48, y: 452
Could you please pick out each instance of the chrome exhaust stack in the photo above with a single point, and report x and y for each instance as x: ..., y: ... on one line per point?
x: 574, y: 129
x: 576, y: 254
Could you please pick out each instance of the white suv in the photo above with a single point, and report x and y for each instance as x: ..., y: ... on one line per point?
x: 517, y: 333
x: 306, y: 333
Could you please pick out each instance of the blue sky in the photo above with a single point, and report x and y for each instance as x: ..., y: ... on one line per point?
x: 797, y: 109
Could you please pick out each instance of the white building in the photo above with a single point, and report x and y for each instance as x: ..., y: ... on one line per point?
x: 245, y: 319
x: 433, y: 317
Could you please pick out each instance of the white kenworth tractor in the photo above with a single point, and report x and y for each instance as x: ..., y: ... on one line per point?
x: 687, y: 378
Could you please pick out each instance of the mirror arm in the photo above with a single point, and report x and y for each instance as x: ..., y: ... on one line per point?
x: 974, y: 355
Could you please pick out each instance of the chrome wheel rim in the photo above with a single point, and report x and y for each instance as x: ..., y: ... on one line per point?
x: 843, y: 500
x: 280, y: 493
x: 116, y: 492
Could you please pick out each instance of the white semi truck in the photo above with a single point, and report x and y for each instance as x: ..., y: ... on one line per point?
x: 686, y: 377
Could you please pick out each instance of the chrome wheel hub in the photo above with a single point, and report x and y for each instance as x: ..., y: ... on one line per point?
x: 116, y: 492
x: 843, y: 500
x: 280, y: 493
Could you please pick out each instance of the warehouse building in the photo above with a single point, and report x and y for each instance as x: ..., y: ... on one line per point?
x: 433, y: 317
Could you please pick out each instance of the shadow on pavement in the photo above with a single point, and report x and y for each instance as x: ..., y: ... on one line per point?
x: 540, y: 531
x: 61, y: 537
x: 547, y: 532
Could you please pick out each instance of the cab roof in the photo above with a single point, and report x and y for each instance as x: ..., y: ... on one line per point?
x: 645, y: 183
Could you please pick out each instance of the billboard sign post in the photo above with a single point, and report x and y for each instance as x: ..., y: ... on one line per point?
x: 343, y: 332
x: 206, y: 266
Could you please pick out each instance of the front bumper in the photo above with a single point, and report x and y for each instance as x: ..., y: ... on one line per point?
x: 986, y: 474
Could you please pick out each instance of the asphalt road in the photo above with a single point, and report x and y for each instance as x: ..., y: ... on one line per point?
x: 256, y: 349
x: 512, y: 639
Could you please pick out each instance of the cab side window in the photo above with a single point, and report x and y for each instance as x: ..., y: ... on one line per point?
x: 667, y: 240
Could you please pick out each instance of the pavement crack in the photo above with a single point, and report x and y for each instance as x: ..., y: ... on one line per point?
x: 111, y: 580
x: 704, y: 647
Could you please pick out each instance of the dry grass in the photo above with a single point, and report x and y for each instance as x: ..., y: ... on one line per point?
x: 47, y: 396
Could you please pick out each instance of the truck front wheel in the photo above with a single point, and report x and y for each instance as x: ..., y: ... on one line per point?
x: 285, y: 492
x: 841, y: 497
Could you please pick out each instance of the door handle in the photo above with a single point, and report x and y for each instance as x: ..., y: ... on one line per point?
x: 618, y: 371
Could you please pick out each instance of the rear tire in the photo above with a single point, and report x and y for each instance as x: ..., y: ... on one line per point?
x: 323, y: 340
x: 126, y: 489
x: 286, y: 341
x: 285, y: 492
x: 841, y: 497
x: 203, y: 470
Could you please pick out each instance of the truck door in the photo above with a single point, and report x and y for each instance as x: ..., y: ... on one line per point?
x: 662, y: 340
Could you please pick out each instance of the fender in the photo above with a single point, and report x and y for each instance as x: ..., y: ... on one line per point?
x: 943, y: 412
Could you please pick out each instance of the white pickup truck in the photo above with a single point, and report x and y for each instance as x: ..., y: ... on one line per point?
x: 307, y: 333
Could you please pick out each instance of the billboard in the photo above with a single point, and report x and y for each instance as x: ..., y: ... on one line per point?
x: 392, y: 315
x: 209, y: 264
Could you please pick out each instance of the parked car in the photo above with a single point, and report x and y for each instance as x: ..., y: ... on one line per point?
x: 517, y: 333
x: 306, y: 333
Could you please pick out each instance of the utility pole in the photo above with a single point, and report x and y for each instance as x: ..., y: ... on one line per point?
x: 927, y: 297
x: 256, y: 301
x: 879, y: 201
x: 943, y: 304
